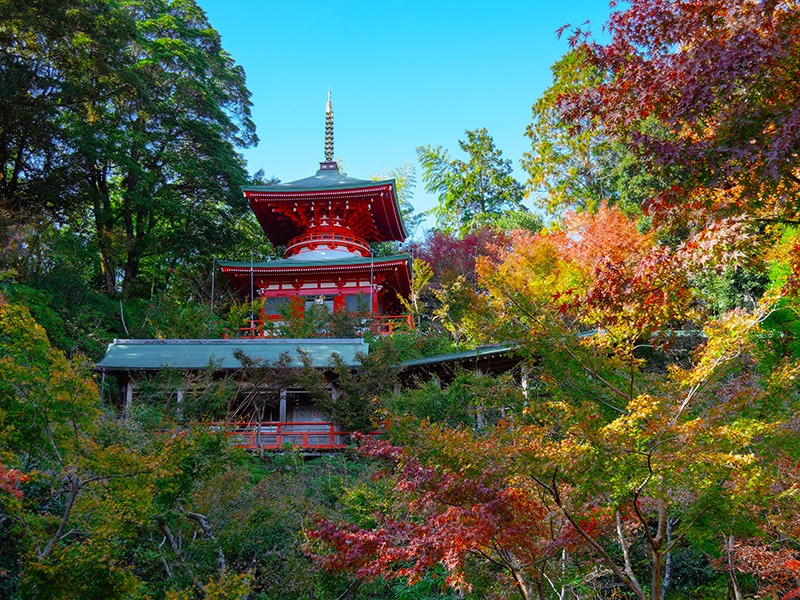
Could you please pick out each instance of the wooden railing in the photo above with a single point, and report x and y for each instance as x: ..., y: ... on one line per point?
x: 354, y: 244
x: 380, y: 325
x: 388, y: 324
x: 276, y: 435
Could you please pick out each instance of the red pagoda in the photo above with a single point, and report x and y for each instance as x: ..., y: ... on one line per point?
x: 326, y: 222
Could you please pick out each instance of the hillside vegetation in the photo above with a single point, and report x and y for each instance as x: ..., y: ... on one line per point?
x: 647, y: 446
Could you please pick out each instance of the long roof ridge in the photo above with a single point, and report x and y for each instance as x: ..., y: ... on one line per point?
x: 233, y: 341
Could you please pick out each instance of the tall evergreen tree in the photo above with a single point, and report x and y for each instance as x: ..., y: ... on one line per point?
x: 131, y: 112
x: 472, y: 193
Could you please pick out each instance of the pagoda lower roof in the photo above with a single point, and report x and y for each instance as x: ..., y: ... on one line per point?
x: 295, y: 265
x: 194, y: 355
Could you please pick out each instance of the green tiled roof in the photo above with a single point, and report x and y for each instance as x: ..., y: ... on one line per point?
x: 484, y: 352
x: 323, y: 180
x: 295, y: 263
x: 136, y: 355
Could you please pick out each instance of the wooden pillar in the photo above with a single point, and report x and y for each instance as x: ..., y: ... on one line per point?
x: 282, y: 407
x: 525, y: 380
x: 179, y: 403
x: 375, y: 306
x: 128, y: 398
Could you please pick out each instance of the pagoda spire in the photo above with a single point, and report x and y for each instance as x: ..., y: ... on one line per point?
x: 329, y: 129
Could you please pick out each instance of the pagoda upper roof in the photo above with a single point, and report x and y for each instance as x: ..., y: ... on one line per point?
x: 374, y: 207
x: 325, y: 179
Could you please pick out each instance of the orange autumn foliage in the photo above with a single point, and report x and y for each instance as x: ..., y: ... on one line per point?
x: 588, y: 239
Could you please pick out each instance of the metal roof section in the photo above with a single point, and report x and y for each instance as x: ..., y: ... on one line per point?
x: 325, y: 179
x: 191, y: 355
x: 456, y: 357
x: 293, y: 263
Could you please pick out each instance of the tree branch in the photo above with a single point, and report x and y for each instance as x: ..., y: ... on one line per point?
x: 75, y: 485
x: 633, y: 585
x: 204, y: 525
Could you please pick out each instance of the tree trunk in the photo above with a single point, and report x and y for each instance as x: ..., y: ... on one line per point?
x: 737, y: 593
x: 630, y: 580
x: 104, y: 225
x: 523, y: 585
x: 667, y: 563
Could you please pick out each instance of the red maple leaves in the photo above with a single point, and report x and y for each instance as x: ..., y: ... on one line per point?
x: 709, y: 90
x: 10, y: 480
x: 448, y: 517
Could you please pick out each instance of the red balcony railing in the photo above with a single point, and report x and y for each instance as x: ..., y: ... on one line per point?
x: 389, y: 324
x: 276, y: 435
x: 380, y: 325
x: 312, y: 241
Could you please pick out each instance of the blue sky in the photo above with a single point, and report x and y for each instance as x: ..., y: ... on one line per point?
x: 402, y: 74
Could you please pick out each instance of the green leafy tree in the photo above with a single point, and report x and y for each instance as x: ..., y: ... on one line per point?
x: 39, y: 43
x: 157, y: 142
x: 473, y: 193
x: 137, y: 116
x: 570, y: 163
x: 573, y: 163
x: 353, y: 403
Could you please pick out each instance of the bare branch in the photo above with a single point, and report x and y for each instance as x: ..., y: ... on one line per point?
x: 204, y: 525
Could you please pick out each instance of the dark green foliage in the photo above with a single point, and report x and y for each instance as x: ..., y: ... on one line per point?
x: 473, y: 193
x: 416, y: 343
x: 138, y: 114
x: 355, y: 398
x: 734, y: 287
x: 204, y: 396
x: 469, y: 400
x: 431, y: 402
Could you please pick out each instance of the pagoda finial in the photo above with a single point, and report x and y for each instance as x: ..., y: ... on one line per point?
x: 329, y: 128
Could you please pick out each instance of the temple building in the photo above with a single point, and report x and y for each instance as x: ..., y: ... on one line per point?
x: 327, y: 223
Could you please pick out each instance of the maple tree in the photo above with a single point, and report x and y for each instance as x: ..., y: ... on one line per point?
x: 720, y: 80
x: 460, y: 506
x: 95, y: 506
x: 637, y: 456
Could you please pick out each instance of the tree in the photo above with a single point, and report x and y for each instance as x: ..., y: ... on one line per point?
x: 720, y: 80
x: 474, y: 193
x: 458, y: 511
x: 569, y: 164
x: 158, y: 142
x: 573, y: 162
x: 137, y: 115
x: 38, y: 44
x: 635, y: 451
